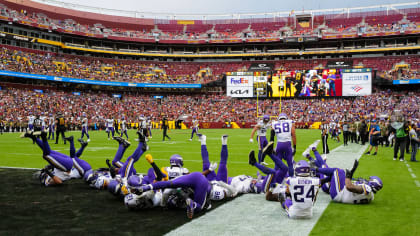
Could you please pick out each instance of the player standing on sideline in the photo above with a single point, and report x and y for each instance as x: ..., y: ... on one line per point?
x: 31, y: 119
x: 51, y: 127
x: 374, y: 134
x: 284, y: 130
x: 195, y: 125
x: 165, y: 126
x: 149, y: 127
x: 85, y: 124
x: 124, y: 127
x: 324, y: 137
x: 61, y: 127
x: 346, y: 132
x: 143, y: 126
x: 116, y: 123
x: 110, y: 127
x: 1, y: 125
x: 303, y: 190
x: 261, y: 128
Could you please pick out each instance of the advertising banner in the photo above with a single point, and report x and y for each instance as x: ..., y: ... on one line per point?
x: 357, y: 82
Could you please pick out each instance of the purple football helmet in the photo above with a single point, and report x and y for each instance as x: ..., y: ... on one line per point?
x: 89, y: 176
x: 375, y: 183
x: 134, y: 181
x: 282, y: 116
x: 176, y: 160
x: 114, y: 187
x: 302, y: 168
x: 266, y: 118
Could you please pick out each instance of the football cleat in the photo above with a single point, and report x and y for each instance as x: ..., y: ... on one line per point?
x: 251, y: 158
x: 190, y: 208
x: 126, y: 143
x: 268, y: 149
x: 82, y: 142
x: 27, y: 134
x: 314, y: 145
x: 112, y: 170
x: 149, y: 158
x: 118, y: 139
x: 70, y: 138
x: 224, y: 139
x: 141, y: 136
x: 305, y: 153
x: 202, y: 138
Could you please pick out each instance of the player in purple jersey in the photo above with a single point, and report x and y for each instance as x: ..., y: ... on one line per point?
x: 318, y: 161
x: 274, y: 176
x: 51, y: 127
x: 284, y: 130
x: 342, y: 187
x: 85, y: 125
x: 261, y: 128
x: 194, y: 127
x: 300, y: 193
x: 222, y: 185
x: 60, y: 165
x: 124, y: 127
x: 81, y: 165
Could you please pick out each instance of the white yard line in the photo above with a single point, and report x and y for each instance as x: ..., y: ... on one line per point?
x: 412, y: 174
x: 20, y: 168
x: 251, y: 214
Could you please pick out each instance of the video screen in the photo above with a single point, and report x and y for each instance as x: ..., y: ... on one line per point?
x: 300, y: 83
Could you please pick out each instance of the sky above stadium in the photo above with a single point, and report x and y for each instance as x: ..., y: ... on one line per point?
x: 227, y: 6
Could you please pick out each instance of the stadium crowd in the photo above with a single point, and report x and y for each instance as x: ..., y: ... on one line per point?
x: 16, y: 104
x: 91, y: 68
x: 222, y: 31
x: 106, y: 70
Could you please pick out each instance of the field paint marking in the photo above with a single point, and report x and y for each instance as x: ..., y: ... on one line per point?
x: 20, y: 168
x: 412, y: 174
x: 251, y: 213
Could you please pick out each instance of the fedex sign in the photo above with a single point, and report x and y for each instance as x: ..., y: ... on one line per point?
x: 239, y: 81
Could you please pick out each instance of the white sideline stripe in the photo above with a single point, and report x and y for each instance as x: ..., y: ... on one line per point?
x: 20, y: 168
x: 410, y: 170
x: 251, y: 214
x: 413, y: 175
x: 417, y: 183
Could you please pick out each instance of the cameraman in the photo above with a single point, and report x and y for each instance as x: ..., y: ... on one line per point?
x: 401, y: 135
x: 374, y: 136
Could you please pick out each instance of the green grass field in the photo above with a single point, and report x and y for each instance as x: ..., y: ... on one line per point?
x: 27, y: 208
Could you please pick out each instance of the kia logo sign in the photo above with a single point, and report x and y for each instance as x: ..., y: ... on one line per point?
x: 239, y: 92
x: 262, y: 65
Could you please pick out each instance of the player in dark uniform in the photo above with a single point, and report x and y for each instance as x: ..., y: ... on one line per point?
x: 165, y: 126
x: 61, y: 127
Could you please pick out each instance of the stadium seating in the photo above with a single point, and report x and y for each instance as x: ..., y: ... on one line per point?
x: 376, y: 21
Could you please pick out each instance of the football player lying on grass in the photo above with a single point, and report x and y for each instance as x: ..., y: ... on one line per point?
x: 61, y: 167
x: 343, y: 188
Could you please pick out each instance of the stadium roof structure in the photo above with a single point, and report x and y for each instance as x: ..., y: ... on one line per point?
x: 237, y: 16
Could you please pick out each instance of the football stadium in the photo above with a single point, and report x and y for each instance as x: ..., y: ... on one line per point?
x: 289, y: 120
